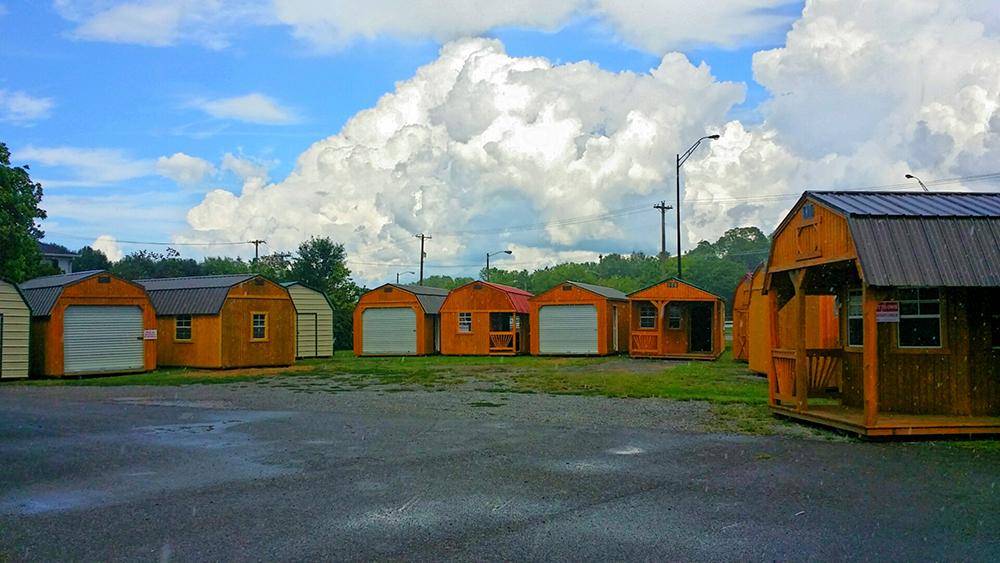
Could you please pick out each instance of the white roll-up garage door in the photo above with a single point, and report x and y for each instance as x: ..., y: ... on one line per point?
x: 567, y: 329
x: 102, y: 339
x: 389, y: 331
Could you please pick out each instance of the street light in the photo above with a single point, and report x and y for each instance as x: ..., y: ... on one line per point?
x: 403, y: 273
x: 912, y: 177
x: 681, y: 159
x: 488, y: 254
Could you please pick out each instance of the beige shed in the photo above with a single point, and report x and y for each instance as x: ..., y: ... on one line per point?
x: 314, y: 321
x: 15, y: 327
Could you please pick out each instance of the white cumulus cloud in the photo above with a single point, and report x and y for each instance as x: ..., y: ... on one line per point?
x: 109, y: 246
x: 244, y: 168
x: 21, y: 108
x: 252, y: 108
x: 184, y: 169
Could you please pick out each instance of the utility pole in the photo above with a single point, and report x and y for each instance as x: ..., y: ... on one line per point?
x: 423, y: 254
x: 663, y: 207
x: 256, y: 247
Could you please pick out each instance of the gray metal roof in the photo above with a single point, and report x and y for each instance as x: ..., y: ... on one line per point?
x: 193, y: 295
x: 928, y: 251
x: 607, y: 292
x: 430, y: 298
x: 42, y: 293
x: 912, y: 204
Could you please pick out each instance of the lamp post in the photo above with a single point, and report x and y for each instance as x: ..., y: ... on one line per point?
x: 912, y: 177
x: 402, y: 273
x: 488, y: 254
x: 681, y: 159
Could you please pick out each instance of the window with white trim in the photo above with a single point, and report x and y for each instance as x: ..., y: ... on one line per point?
x: 465, y: 322
x: 855, y: 318
x: 647, y: 316
x: 182, y: 327
x: 674, y: 317
x: 258, y: 326
x: 919, y: 317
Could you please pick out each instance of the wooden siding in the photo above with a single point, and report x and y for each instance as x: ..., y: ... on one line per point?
x: 388, y: 296
x: 741, y: 319
x: 759, y: 325
x: 663, y: 342
x: 576, y: 295
x: 204, y: 350
x: 801, y: 242
x: 310, y: 301
x: 480, y: 302
x: 16, y: 325
x: 47, y: 335
x: 245, y: 299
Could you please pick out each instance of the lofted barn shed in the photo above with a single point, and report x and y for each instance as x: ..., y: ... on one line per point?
x: 676, y: 320
x: 226, y: 321
x: 15, y: 329
x: 917, y: 279
x: 575, y: 318
x: 398, y: 320
x: 485, y: 319
x: 88, y: 323
x: 313, y: 321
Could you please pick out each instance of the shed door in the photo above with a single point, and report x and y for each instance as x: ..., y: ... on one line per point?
x: 567, y: 329
x: 102, y: 339
x: 307, y: 341
x: 389, y: 331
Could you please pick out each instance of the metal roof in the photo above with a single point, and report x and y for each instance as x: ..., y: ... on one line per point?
x: 55, y: 250
x: 430, y: 298
x: 676, y: 279
x: 607, y: 292
x: 193, y: 295
x: 922, y: 251
x: 289, y: 284
x: 911, y: 204
x: 518, y: 297
x: 42, y: 293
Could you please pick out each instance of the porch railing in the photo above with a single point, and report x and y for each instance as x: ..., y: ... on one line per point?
x: 645, y: 342
x: 825, y: 368
x: 502, y: 343
x: 784, y: 374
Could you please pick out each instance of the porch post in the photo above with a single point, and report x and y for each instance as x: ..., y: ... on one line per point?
x: 870, y: 354
x: 801, y: 360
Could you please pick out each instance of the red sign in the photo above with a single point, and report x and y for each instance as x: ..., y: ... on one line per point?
x: 887, y: 312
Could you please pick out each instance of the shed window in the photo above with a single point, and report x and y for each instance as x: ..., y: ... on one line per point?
x: 808, y: 211
x: 258, y: 326
x: 182, y: 327
x: 465, y: 322
x: 855, y: 318
x: 674, y: 317
x: 647, y: 316
x: 919, y: 317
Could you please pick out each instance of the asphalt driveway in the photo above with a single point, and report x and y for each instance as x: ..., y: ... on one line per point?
x: 245, y: 472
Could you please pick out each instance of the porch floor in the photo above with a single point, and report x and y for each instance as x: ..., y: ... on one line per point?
x: 689, y: 356
x: 892, y: 424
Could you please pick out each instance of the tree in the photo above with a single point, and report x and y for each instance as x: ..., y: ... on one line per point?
x: 20, y: 258
x: 321, y: 264
x: 90, y: 259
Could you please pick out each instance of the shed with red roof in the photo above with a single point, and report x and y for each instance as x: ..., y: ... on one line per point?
x: 485, y: 319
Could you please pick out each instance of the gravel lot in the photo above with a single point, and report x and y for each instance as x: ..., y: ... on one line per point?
x: 265, y: 472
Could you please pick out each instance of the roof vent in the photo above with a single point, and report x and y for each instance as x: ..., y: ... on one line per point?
x: 567, y: 287
x: 103, y: 279
x: 387, y: 289
x: 258, y: 281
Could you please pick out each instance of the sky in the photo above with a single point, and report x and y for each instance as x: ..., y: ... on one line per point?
x: 548, y: 128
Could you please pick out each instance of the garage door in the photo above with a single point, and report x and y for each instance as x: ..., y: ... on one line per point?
x: 567, y: 329
x: 102, y: 339
x: 389, y: 331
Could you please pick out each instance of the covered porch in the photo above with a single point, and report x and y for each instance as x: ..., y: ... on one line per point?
x: 675, y: 329
x: 508, y: 334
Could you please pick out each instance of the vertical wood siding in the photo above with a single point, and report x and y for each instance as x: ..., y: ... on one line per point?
x: 16, y: 325
x: 674, y: 342
x: 204, y: 350
x: 238, y: 350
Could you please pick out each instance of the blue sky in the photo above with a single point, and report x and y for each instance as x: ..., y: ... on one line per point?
x: 94, y: 108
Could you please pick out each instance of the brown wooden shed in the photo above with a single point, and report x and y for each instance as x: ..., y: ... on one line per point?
x: 398, y: 320
x: 89, y: 323
x: 676, y: 320
x: 227, y: 321
x: 483, y: 319
x: 575, y: 318
x: 741, y: 318
x: 917, y: 279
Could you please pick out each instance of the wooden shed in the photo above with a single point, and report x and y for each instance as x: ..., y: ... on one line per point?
x: 676, y: 320
x: 227, y: 321
x: 313, y: 321
x: 398, y: 320
x: 917, y: 280
x: 15, y: 330
x: 482, y: 319
x: 579, y: 319
x: 752, y: 334
x: 90, y: 322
